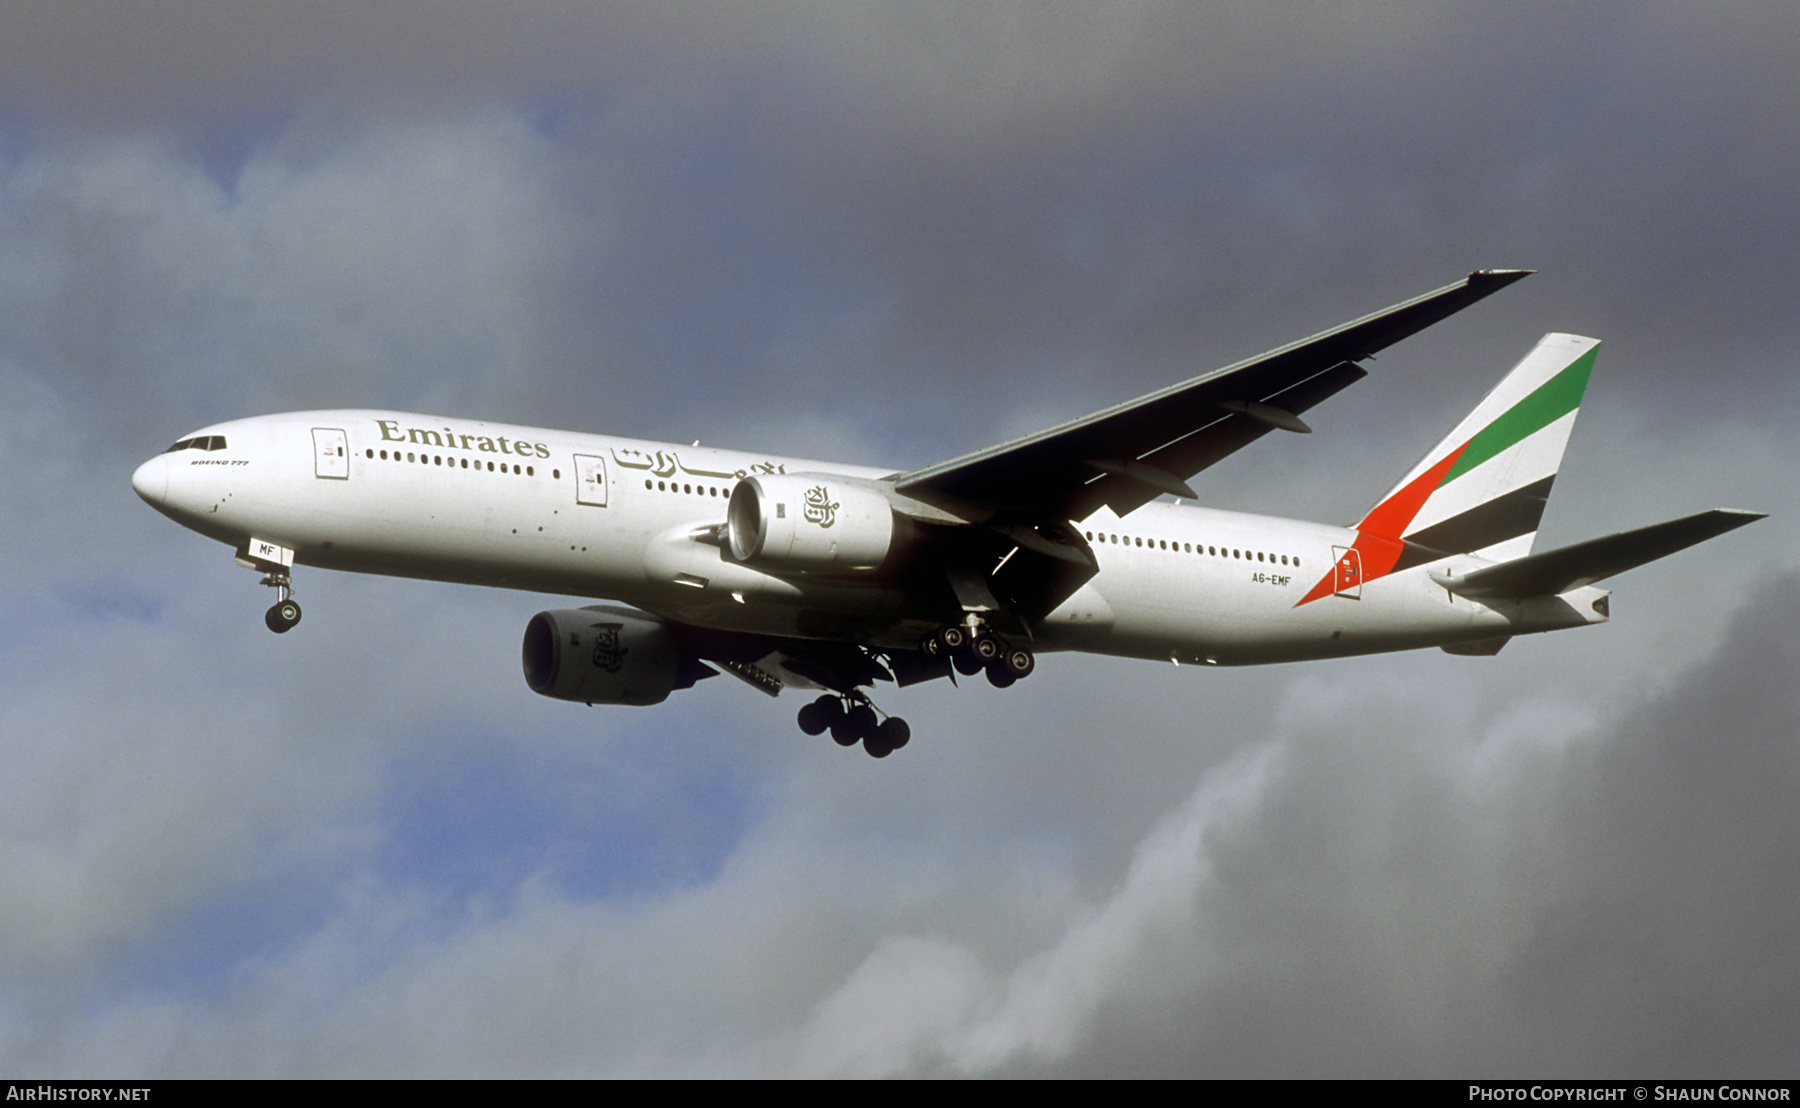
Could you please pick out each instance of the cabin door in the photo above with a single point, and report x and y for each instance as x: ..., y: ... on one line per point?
x: 1347, y: 574
x: 590, y: 480
x: 331, y: 453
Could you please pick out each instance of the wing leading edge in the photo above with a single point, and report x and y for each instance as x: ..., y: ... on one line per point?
x: 1127, y: 455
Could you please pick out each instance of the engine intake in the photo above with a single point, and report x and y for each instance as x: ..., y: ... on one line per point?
x: 810, y: 523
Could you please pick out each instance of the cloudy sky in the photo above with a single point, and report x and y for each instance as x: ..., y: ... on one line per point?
x: 888, y: 233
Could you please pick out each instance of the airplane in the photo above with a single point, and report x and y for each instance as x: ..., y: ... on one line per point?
x: 790, y: 573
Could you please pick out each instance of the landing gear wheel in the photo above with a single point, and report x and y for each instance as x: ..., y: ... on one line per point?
x: 819, y: 715
x: 999, y: 676
x: 861, y: 721
x: 953, y: 639
x: 986, y: 648
x: 826, y: 714
x: 282, y: 617
x: 893, y: 733
x: 1020, y: 662
x: 966, y: 663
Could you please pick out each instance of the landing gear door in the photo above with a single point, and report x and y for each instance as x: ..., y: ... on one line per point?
x: 590, y: 480
x: 1347, y: 573
x: 331, y: 453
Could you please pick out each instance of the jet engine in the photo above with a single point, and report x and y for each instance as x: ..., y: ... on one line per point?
x: 811, y: 523
x: 606, y: 655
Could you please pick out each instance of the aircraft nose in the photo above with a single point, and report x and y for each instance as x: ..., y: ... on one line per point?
x: 151, y: 481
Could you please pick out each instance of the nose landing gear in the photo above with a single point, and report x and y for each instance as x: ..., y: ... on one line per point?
x: 285, y: 613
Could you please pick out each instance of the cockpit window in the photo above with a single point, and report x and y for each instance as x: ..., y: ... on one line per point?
x: 199, y: 442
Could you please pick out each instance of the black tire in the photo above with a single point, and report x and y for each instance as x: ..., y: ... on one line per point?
x: 986, y: 648
x: 894, y: 733
x: 875, y: 747
x: 843, y: 732
x: 282, y: 617
x: 812, y: 718
x: 966, y: 664
x: 999, y: 676
x: 1020, y: 662
x: 861, y: 720
x: 953, y: 638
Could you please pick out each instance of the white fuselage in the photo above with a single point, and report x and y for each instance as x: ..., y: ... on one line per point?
x: 622, y: 519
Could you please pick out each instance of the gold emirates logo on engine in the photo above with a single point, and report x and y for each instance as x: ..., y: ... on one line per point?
x: 820, y: 508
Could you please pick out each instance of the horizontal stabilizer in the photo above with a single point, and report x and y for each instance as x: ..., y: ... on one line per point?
x: 1557, y: 571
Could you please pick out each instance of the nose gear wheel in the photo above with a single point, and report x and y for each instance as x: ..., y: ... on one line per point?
x: 285, y: 613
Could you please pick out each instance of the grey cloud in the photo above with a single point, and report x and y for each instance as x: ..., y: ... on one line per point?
x: 869, y: 233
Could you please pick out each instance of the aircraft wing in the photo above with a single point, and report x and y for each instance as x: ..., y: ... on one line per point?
x: 1131, y: 453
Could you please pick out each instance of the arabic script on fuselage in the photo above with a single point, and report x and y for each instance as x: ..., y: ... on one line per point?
x: 665, y: 463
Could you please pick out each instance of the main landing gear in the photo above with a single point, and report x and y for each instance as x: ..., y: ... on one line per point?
x: 851, y: 719
x: 974, y: 648
x: 286, y: 611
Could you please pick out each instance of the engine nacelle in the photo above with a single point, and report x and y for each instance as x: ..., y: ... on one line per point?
x: 811, y: 523
x: 603, y: 655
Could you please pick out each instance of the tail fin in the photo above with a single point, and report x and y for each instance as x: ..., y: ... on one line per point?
x: 1482, y: 489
